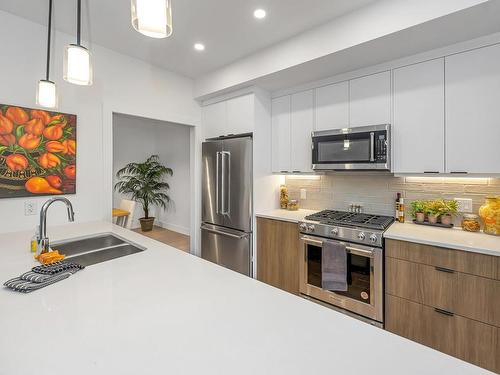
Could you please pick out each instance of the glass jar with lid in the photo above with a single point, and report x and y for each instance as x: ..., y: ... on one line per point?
x: 293, y: 205
x: 490, y: 214
x: 471, y: 223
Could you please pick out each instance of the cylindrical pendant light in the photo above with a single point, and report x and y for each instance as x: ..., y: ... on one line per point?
x: 46, y: 93
x: 152, y: 18
x: 77, y: 59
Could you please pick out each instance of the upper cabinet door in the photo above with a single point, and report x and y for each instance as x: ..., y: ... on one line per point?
x: 418, y: 130
x: 370, y: 100
x: 332, y: 106
x: 240, y: 114
x: 214, y: 120
x: 473, y: 111
x: 302, y: 121
x: 280, y: 134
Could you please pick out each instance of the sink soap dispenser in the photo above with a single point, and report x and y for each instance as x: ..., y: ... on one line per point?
x: 34, y: 240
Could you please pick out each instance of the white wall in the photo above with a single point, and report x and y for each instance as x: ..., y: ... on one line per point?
x: 119, y: 80
x: 134, y: 140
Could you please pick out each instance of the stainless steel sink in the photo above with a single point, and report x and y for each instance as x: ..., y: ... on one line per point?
x: 96, y: 249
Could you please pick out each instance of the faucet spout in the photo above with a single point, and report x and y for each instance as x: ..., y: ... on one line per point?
x: 43, y: 240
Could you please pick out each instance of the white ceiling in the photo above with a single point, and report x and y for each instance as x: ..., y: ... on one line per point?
x: 226, y: 27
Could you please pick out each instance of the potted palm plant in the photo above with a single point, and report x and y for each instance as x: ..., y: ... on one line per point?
x: 145, y: 183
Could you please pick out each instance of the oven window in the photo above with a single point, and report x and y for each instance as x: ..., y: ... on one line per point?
x: 349, y: 150
x: 358, y: 274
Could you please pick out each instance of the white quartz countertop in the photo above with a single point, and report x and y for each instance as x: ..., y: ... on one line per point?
x: 455, y: 238
x: 285, y: 215
x: 163, y: 311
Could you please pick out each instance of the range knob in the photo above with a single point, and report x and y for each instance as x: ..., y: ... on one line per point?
x: 373, y: 238
x: 361, y: 236
x: 334, y: 231
x: 310, y: 228
x: 303, y: 227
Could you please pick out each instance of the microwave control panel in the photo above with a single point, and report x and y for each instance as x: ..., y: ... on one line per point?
x: 381, y: 146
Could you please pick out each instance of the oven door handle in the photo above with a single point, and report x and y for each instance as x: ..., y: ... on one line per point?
x: 352, y: 249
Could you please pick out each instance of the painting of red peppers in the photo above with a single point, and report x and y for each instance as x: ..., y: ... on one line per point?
x: 37, y: 152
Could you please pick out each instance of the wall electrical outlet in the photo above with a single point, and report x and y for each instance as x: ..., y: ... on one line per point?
x: 30, y: 208
x: 303, y: 194
x: 464, y: 205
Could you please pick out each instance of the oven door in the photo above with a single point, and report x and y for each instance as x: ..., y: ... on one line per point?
x: 364, y: 295
x: 360, y: 148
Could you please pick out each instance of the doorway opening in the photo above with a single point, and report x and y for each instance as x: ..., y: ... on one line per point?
x: 135, y: 139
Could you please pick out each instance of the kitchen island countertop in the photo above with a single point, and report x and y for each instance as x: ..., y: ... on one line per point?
x: 163, y: 311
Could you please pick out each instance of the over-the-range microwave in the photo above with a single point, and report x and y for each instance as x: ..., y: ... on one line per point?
x: 357, y: 148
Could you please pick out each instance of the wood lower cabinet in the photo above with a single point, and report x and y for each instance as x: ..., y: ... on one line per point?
x: 446, y: 299
x: 278, y: 254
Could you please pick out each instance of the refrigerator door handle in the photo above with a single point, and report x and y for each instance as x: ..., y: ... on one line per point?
x: 227, y: 234
x: 226, y: 182
x: 217, y: 168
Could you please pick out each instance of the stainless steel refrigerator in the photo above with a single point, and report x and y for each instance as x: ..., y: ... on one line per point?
x: 226, y: 230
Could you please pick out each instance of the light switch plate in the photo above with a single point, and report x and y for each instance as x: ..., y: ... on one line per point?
x: 464, y: 205
x: 30, y: 208
x: 303, y: 194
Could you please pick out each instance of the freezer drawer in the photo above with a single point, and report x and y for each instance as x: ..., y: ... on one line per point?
x: 227, y: 247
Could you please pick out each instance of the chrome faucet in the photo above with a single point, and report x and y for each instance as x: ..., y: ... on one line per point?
x: 43, y: 240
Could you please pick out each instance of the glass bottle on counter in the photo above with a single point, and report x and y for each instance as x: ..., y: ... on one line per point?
x: 283, y: 197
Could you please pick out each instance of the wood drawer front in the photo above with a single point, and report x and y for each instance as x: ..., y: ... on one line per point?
x: 278, y: 254
x: 460, y: 337
x: 463, y: 294
x: 457, y: 260
x: 421, y: 283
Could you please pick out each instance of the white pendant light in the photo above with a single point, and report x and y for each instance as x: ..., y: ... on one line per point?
x: 46, y: 93
x: 152, y: 18
x: 77, y: 59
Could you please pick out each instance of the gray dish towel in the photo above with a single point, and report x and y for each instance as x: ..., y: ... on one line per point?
x: 334, y: 266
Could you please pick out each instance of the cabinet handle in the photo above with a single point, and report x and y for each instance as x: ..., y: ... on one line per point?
x: 442, y: 269
x: 431, y: 172
x: 444, y: 312
x: 458, y: 172
x: 283, y: 171
x: 295, y: 171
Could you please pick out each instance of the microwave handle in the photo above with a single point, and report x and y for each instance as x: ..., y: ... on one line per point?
x: 372, y: 146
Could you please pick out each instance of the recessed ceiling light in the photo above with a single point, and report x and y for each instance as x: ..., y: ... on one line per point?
x: 199, y: 47
x: 259, y: 14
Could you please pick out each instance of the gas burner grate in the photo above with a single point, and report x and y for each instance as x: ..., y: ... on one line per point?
x: 331, y: 217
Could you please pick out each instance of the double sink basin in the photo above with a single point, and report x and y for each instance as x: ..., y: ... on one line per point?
x: 96, y: 249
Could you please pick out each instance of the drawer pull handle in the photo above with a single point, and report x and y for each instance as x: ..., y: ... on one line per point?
x: 444, y: 312
x: 442, y: 269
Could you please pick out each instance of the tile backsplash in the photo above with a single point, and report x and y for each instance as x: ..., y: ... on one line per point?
x: 377, y: 193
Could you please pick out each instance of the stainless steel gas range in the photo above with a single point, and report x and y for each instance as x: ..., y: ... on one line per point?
x: 362, y: 235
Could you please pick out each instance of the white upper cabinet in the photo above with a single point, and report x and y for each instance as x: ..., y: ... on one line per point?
x: 301, y: 126
x: 418, y: 127
x: 332, y: 106
x: 232, y: 116
x: 240, y: 115
x: 214, y: 120
x: 370, y: 100
x: 473, y: 111
x: 280, y: 134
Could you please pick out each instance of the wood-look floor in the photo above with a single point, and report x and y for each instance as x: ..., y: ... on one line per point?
x: 169, y: 237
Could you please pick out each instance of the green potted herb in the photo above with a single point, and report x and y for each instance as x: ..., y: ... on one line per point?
x: 418, y: 210
x: 448, y: 208
x: 144, y: 182
x: 432, y: 211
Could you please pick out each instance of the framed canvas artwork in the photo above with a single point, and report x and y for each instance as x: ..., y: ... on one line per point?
x: 37, y: 152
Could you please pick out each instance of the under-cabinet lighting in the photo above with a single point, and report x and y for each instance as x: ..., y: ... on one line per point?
x: 303, y: 177
x: 448, y: 180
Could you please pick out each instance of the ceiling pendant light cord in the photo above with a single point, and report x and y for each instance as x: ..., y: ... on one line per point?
x: 47, y: 72
x: 78, y: 21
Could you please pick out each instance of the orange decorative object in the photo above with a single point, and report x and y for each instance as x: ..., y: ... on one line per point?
x: 29, y: 141
x: 7, y: 140
x: 54, y: 181
x: 53, y: 132
x: 48, y: 160
x: 70, y: 146
x: 43, y: 116
x: 16, y: 162
x: 39, y: 185
x: 34, y: 126
x: 70, y: 171
x: 55, y: 146
x: 50, y: 257
x: 490, y: 214
x: 17, y: 115
x: 6, y: 125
